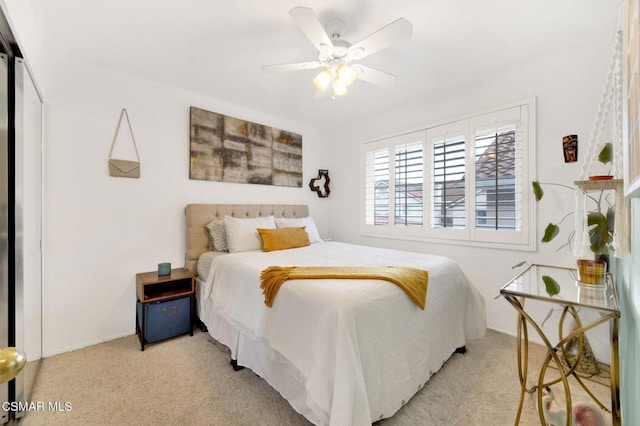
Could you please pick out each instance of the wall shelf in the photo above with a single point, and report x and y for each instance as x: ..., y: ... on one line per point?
x: 600, y: 185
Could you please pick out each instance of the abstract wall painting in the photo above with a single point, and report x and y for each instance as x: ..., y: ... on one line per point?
x: 228, y: 149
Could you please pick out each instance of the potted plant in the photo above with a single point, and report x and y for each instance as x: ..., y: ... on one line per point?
x: 600, y: 218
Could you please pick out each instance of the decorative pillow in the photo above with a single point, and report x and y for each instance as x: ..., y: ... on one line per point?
x: 307, y: 222
x: 242, y: 234
x: 283, y: 238
x: 217, y: 235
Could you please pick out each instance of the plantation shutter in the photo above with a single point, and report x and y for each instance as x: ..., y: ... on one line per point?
x: 499, y: 205
x: 409, y: 184
x: 465, y: 181
x: 496, y: 204
x: 377, y: 186
x: 448, y: 181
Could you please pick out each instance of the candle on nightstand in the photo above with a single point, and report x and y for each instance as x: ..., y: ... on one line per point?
x: 164, y: 269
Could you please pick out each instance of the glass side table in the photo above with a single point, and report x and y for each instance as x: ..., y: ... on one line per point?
x: 534, y: 283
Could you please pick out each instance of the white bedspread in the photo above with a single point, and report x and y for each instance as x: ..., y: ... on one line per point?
x: 362, y: 347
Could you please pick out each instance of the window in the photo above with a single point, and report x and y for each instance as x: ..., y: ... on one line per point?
x: 394, y: 181
x: 448, y: 182
x: 495, y: 178
x: 377, y: 179
x: 465, y: 181
x: 408, y: 184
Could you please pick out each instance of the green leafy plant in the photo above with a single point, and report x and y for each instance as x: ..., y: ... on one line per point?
x: 551, y: 286
x: 599, y: 219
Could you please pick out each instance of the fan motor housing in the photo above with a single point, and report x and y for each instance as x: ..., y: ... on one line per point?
x: 335, y: 28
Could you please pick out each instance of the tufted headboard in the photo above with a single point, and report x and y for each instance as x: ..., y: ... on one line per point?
x: 198, y: 215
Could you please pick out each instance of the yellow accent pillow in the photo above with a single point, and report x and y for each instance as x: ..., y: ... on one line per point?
x: 283, y: 238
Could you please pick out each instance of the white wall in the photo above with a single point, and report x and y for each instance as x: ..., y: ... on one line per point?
x: 567, y: 88
x: 99, y: 230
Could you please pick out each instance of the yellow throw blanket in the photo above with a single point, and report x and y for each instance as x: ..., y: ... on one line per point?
x: 412, y: 280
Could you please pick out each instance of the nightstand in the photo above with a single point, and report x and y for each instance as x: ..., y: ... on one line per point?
x: 164, y: 306
x: 569, y: 297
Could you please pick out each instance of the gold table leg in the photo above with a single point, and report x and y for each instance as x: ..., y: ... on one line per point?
x: 615, y: 375
x: 523, y: 361
x: 552, y: 355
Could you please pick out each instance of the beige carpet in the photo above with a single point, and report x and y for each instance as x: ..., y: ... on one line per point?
x: 188, y: 380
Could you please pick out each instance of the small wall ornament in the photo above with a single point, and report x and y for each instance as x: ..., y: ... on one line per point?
x: 320, y: 185
x: 570, y: 148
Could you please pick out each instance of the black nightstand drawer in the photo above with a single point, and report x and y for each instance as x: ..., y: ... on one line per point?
x: 165, y: 319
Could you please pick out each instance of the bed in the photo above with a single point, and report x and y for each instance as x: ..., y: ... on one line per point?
x: 341, y: 352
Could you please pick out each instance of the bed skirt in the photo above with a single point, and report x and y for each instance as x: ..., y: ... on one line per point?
x: 261, y: 359
x: 276, y: 370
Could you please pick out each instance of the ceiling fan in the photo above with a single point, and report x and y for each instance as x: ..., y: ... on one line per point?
x: 338, y: 57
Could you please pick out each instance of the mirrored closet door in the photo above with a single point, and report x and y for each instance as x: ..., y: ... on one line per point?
x: 28, y: 224
x: 20, y: 218
x: 4, y: 220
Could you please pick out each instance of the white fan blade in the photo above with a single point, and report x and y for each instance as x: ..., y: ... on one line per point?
x: 292, y: 67
x: 374, y: 76
x: 384, y: 37
x: 311, y: 26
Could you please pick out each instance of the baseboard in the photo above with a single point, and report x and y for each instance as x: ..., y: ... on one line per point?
x: 46, y: 354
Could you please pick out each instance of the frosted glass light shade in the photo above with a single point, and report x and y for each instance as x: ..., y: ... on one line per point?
x: 346, y: 74
x: 339, y: 89
x: 322, y: 80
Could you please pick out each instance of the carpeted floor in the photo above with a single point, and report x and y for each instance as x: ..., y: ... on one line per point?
x: 188, y: 380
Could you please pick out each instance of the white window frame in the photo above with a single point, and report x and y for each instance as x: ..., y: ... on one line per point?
x: 444, y: 131
x: 524, y: 239
x: 390, y: 229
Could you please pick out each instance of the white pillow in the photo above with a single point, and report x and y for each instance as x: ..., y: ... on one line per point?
x: 242, y: 233
x: 307, y: 222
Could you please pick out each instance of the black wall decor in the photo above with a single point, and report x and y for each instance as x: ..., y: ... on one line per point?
x: 320, y: 185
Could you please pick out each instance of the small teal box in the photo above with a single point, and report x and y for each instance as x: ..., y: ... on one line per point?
x: 165, y: 319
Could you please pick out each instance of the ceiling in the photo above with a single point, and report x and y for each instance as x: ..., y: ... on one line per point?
x: 215, y: 47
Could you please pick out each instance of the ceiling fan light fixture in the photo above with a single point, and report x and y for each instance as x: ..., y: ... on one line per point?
x: 339, y: 88
x: 322, y: 80
x: 346, y: 74
x: 336, y: 55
